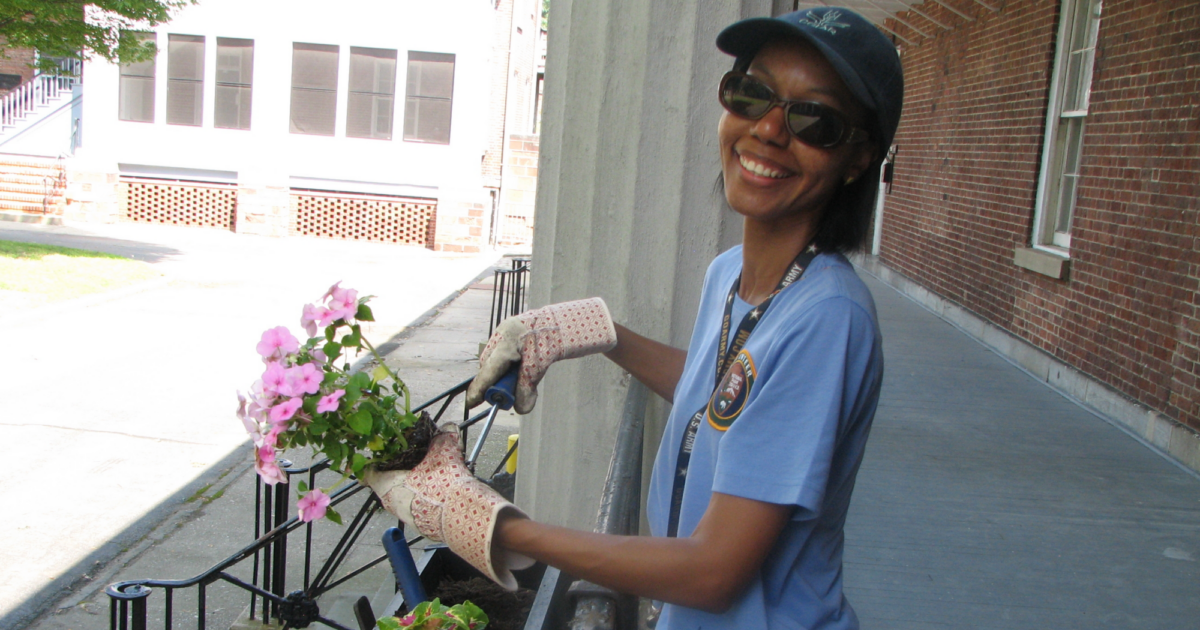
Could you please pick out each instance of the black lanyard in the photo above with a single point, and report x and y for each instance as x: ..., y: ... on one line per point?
x: 725, y: 358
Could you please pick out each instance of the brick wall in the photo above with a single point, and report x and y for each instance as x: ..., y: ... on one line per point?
x: 520, y: 190
x: 17, y: 62
x: 494, y: 154
x: 461, y: 222
x: 970, y: 149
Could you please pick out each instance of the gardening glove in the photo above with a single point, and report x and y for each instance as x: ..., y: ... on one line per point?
x: 446, y: 503
x: 538, y: 338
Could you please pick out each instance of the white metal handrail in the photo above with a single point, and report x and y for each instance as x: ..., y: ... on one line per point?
x: 41, y: 90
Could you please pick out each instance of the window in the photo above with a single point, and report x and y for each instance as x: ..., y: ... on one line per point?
x: 428, y: 96
x: 1068, y: 107
x: 314, y: 88
x: 185, y: 79
x: 372, y: 100
x: 235, y: 74
x: 137, y: 86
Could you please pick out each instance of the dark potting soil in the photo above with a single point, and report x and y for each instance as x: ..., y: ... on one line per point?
x: 418, y: 436
x: 505, y: 610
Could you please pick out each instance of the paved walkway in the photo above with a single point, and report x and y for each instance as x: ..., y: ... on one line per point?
x: 115, y: 408
x: 985, y: 501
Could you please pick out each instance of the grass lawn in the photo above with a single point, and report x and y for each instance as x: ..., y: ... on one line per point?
x: 32, y: 274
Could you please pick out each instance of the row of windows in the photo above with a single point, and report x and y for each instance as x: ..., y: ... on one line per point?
x: 370, y: 104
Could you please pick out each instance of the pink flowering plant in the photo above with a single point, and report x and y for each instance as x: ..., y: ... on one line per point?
x: 436, y: 616
x: 305, y: 398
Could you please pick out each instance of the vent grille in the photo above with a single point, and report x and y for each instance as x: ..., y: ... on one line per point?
x: 364, y: 217
x: 178, y: 203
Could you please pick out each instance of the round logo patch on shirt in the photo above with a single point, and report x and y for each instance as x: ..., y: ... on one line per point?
x: 729, y: 399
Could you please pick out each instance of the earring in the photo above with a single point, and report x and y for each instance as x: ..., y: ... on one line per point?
x: 849, y: 180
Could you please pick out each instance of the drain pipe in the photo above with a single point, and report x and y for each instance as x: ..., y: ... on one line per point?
x: 598, y: 607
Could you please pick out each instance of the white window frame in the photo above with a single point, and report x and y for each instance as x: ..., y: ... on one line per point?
x: 1059, y: 143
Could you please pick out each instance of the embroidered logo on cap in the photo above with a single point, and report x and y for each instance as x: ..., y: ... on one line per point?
x: 730, y: 398
x: 827, y: 22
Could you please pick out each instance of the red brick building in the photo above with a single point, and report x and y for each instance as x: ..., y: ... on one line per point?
x: 1047, y: 181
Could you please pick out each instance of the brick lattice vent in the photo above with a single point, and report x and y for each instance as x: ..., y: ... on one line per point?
x: 363, y: 217
x: 178, y: 203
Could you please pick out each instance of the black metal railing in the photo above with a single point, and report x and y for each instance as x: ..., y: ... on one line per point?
x: 508, y: 292
x: 267, y: 556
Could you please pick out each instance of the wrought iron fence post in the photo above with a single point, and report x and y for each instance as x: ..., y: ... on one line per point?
x: 122, y: 597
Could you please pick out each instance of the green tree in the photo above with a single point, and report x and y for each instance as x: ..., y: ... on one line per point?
x: 79, y: 29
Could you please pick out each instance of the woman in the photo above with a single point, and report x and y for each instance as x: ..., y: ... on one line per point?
x: 753, y: 477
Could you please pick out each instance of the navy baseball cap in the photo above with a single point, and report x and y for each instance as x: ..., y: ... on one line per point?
x: 865, y: 59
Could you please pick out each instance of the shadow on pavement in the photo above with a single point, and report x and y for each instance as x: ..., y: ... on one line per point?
x: 146, y: 252
x: 80, y: 576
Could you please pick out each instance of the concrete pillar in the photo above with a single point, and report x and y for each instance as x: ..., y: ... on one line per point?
x: 92, y: 192
x: 626, y: 209
x: 263, y: 204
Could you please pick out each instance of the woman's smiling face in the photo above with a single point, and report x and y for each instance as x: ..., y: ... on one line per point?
x: 769, y: 174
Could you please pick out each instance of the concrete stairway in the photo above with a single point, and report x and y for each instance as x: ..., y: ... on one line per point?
x: 31, y: 185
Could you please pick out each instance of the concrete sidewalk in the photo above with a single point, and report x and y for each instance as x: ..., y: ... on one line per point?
x: 119, y: 405
x: 987, y: 500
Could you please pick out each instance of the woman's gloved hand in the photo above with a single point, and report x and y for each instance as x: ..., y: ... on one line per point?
x: 446, y: 503
x: 538, y: 338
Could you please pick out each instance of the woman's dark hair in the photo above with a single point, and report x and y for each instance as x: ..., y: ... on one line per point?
x: 844, y: 225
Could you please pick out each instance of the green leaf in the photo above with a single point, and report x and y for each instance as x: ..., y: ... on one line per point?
x: 318, y: 427
x: 361, y: 380
x: 302, y: 487
x: 332, y: 515
x: 353, y: 393
x: 310, y: 404
x: 364, y: 314
x: 330, y: 331
x: 357, y: 462
x: 386, y: 623
x: 332, y: 350
x: 361, y: 422
x: 379, y: 373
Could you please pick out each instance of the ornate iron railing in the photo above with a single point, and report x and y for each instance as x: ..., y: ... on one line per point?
x: 267, y: 556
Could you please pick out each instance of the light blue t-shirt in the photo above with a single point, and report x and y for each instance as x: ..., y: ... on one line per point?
x: 788, y: 425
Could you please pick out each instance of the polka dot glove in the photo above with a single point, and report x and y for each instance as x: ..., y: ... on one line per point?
x: 446, y: 503
x: 538, y: 338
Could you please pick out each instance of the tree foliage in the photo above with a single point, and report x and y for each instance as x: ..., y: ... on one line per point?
x: 83, y: 29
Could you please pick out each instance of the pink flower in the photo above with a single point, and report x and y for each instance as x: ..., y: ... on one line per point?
x: 277, y: 343
x: 248, y: 420
x: 343, y: 303
x: 264, y: 464
x: 330, y: 402
x: 312, y: 505
x: 304, y: 379
x: 284, y: 412
x: 319, y: 356
x: 274, y: 380
x: 314, y: 316
x: 272, y: 436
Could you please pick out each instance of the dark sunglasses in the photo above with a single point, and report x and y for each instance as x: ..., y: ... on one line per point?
x: 814, y: 124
